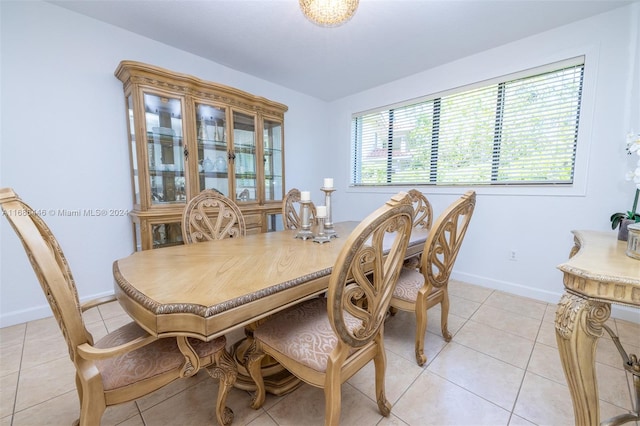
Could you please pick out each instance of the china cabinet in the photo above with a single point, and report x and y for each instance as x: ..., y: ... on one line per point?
x: 186, y: 135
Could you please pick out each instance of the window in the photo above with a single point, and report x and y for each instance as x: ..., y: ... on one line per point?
x: 519, y: 129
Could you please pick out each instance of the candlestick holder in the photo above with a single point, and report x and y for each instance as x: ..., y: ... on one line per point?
x: 328, y: 226
x: 305, y: 227
x: 321, y: 237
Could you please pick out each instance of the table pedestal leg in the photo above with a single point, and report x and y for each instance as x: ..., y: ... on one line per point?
x: 277, y: 380
x: 192, y: 360
x: 578, y: 327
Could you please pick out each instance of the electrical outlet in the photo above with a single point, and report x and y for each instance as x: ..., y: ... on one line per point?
x: 513, y: 255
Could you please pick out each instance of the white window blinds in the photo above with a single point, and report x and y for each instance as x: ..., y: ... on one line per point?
x: 521, y: 129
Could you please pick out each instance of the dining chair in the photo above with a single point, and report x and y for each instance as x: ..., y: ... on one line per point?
x: 422, y: 218
x: 291, y: 210
x: 325, y: 341
x: 212, y: 216
x: 127, y: 363
x: 417, y: 290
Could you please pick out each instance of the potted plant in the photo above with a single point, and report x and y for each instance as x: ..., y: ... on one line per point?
x: 622, y: 220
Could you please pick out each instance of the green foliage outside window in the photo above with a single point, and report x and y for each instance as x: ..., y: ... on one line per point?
x: 514, y: 131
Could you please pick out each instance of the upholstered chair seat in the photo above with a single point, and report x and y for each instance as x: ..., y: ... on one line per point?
x: 304, y: 333
x: 149, y: 361
x: 409, y: 284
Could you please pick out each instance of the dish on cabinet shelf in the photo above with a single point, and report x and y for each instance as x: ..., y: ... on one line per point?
x: 221, y: 164
x: 208, y: 165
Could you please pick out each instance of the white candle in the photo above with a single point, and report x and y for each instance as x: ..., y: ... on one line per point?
x: 321, y: 211
x: 328, y: 183
x: 305, y: 196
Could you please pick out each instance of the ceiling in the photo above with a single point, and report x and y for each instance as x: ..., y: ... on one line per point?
x: 384, y: 41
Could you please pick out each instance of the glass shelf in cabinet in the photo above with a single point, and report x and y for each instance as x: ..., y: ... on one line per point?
x: 158, y: 143
x: 156, y: 137
x: 176, y: 173
x: 245, y: 149
x: 214, y: 174
x: 162, y: 131
x: 211, y: 143
x: 246, y: 175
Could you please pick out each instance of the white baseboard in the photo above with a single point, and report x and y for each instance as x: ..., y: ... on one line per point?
x: 617, y: 311
x: 8, y: 319
x: 621, y: 312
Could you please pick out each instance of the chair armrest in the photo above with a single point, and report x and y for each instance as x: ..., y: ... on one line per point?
x: 87, y: 351
x: 96, y: 302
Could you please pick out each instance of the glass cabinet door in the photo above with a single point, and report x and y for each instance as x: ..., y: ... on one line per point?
x: 166, y: 234
x: 244, y: 149
x: 211, y: 126
x: 273, y: 176
x: 134, y: 155
x: 165, y: 148
x: 188, y: 135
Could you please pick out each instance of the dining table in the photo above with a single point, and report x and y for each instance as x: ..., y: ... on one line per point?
x: 209, y: 289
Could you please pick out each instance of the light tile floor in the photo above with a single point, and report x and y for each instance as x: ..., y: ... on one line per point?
x: 501, y: 368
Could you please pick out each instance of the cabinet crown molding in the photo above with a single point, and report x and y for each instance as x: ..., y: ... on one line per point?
x: 132, y: 72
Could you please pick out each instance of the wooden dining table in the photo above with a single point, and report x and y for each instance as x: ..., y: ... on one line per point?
x: 208, y: 289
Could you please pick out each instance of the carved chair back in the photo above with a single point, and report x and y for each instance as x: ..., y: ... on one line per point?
x: 364, y: 277
x: 422, y: 211
x: 292, y: 210
x: 445, y: 239
x: 211, y: 216
x: 50, y: 266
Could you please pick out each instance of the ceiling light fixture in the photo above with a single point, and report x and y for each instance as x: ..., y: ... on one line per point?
x: 328, y: 13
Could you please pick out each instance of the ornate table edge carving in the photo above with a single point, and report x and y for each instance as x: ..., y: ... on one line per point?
x: 204, y: 311
x: 601, y: 288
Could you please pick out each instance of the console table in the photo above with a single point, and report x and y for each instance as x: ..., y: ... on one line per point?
x: 598, y: 273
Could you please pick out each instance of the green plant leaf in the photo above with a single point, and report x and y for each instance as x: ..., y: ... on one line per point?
x: 616, y: 218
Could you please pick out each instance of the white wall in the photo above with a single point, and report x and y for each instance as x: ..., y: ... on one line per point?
x: 63, y: 146
x: 64, y: 141
x: 536, y: 222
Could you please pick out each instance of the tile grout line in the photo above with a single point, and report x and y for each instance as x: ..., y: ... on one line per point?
x: 465, y: 321
x: 511, y: 412
x: 526, y: 370
x: 15, y: 395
